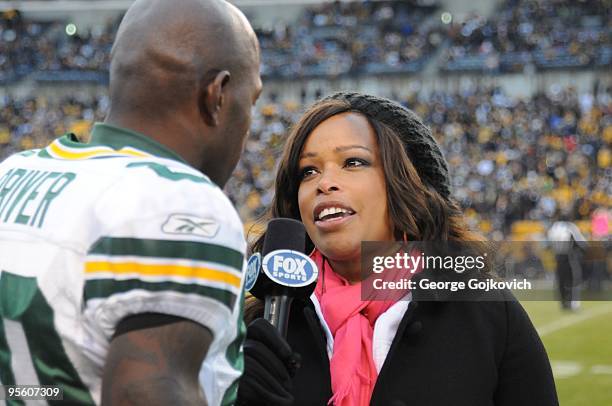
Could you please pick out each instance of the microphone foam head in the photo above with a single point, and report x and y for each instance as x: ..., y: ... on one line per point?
x: 286, y: 234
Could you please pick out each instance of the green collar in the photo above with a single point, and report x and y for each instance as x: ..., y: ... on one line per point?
x: 117, y: 138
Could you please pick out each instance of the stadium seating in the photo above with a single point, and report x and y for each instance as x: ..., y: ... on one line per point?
x: 514, y: 160
x: 546, y: 35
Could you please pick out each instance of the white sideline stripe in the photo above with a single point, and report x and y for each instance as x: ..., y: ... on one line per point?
x: 567, y: 369
x: 601, y: 369
x: 573, y: 319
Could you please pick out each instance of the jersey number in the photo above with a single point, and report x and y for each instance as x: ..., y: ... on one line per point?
x: 31, y: 351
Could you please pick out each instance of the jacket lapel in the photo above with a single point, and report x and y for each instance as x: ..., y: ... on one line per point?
x: 389, y: 370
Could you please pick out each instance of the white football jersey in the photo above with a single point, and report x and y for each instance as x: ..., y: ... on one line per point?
x: 92, y: 233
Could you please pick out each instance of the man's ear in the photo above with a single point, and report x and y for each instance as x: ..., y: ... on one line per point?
x: 210, y: 97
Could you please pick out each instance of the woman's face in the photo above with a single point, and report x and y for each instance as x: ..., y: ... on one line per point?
x: 342, y: 194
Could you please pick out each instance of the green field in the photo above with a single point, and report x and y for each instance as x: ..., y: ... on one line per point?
x: 579, y: 345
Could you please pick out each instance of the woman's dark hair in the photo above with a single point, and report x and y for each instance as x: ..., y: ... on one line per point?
x: 419, y: 210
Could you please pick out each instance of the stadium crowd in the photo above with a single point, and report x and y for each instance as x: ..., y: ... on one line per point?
x: 329, y: 39
x: 338, y: 38
x: 544, y: 34
x: 512, y: 159
x: 19, y: 45
x: 45, y: 48
x: 346, y: 38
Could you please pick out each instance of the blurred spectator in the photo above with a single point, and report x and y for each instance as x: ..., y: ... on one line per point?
x: 600, y: 224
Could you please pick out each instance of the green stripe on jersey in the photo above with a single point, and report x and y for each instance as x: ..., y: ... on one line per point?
x: 102, y: 288
x: 44, y: 154
x: 29, y: 152
x: 235, y: 356
x: 198, y: 251
x: 167, y: 173
x: 22, y: 302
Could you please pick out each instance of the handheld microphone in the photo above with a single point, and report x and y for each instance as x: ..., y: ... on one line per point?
x: 287, y: 274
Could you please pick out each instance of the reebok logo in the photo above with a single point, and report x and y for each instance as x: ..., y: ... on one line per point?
x: 187, y: 224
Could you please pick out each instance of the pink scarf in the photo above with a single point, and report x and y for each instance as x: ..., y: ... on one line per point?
x: 351, y: 321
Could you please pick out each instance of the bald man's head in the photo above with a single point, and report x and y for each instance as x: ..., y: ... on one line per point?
x: 163, y: 48
x: 192, y: 64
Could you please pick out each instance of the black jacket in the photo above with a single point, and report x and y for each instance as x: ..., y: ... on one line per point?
x: 444, y: 353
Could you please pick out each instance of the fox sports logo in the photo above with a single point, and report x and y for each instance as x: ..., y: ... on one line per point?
x: 290, y: 268
x: 252, y: 272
